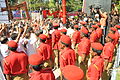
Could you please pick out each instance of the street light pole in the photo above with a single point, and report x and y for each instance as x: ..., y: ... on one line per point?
x: 64, y: 11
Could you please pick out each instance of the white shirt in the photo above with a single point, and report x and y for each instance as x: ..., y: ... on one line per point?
x: 4, y: 50
x: 31, y: 48
x: 61, y: 28
x: 51, y: 31
x: 70, y: 32
x: 21, y: 45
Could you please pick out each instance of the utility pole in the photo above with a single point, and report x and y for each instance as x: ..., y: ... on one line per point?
x: 64, y: 11
x: 34, y: 4
x: 29, y: 6
x: 9, y: 10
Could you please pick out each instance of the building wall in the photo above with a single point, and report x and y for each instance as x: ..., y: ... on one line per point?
x: 105, y: 4
x: 3, y: 15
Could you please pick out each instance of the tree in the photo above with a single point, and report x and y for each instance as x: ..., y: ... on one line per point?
x: 12, y: 2
x: 73, y: 5
x: 117, y: 2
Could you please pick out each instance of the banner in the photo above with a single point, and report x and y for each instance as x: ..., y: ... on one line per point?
x: 3, y: 15
x: 18, y: 14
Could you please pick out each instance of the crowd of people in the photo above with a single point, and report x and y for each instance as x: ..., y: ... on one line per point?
x: 83, y: 49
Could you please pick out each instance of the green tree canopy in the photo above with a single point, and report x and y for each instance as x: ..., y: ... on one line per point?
x: 71, y: 5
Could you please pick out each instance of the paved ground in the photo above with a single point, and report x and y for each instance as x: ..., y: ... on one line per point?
x: 1, y: 75
x: 57, y: 74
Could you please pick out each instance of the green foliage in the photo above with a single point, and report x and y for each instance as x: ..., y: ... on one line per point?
x: 118, y: 6
x: 71, y: 5
x: 118, y: 74
x: 51, y: 4
x: 12, y: 1
x: 74, y: 5
x: 117, y: 2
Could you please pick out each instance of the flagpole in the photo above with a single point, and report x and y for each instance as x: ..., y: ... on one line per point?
x: 64, y: 11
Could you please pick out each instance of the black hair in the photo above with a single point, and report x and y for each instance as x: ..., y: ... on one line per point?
x: 38, y: 32
x: 113, y: 31
x: 96, y: 20
x: 76, y: 28
x: 95, y: 28
x: 29, y: 29
x: 85, y: 35
x: 67, y: 45
x: 37, y: 67
x: 97, y: 51
x: 56, y: 27
x: 99, y: 25
x: 12, y: 49
x: 50, y: 26
x: 14, y: 29
x: 72, y: 26
x: 111, y: 38
x: 4, y: 39
x: 14, y: 36
x: 64, y: 33
x: 42, y: 40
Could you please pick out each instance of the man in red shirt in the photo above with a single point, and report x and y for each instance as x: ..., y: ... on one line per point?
x: 76, y: 37
x: 108, y: 51
x: 55, y: 39
x: 93, y: 35
x: 67, y: 56
x: 71, y: 72
x: 117, y: 33
x: 99, y: 33
x: 16, y: 64
x: 40, y: 69
x: 44, y: 49
x: 63, y: 34
x: 84, y: 45
x: 107, y: 54
x: 113, y: 31
x: 97, y: 63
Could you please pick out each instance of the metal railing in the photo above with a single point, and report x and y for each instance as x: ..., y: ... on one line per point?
x: 116, y: 66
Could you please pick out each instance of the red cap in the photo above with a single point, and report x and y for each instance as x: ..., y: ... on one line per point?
x: 43, y: 36
x: 83, y: 22
x: 76, y: 26
x: 84, y: 30
x: 117, y: 26
x: 66, y: 40
x: 58, y: 33
x: 12, y: 44
x: 95, y: 26
x: 112, y: 36
x: 97, y: 46
x: 55, y: 24
x: 35, y: 59
x: 113, y: 29
x: 63, y: 30
x: 71, y: 72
